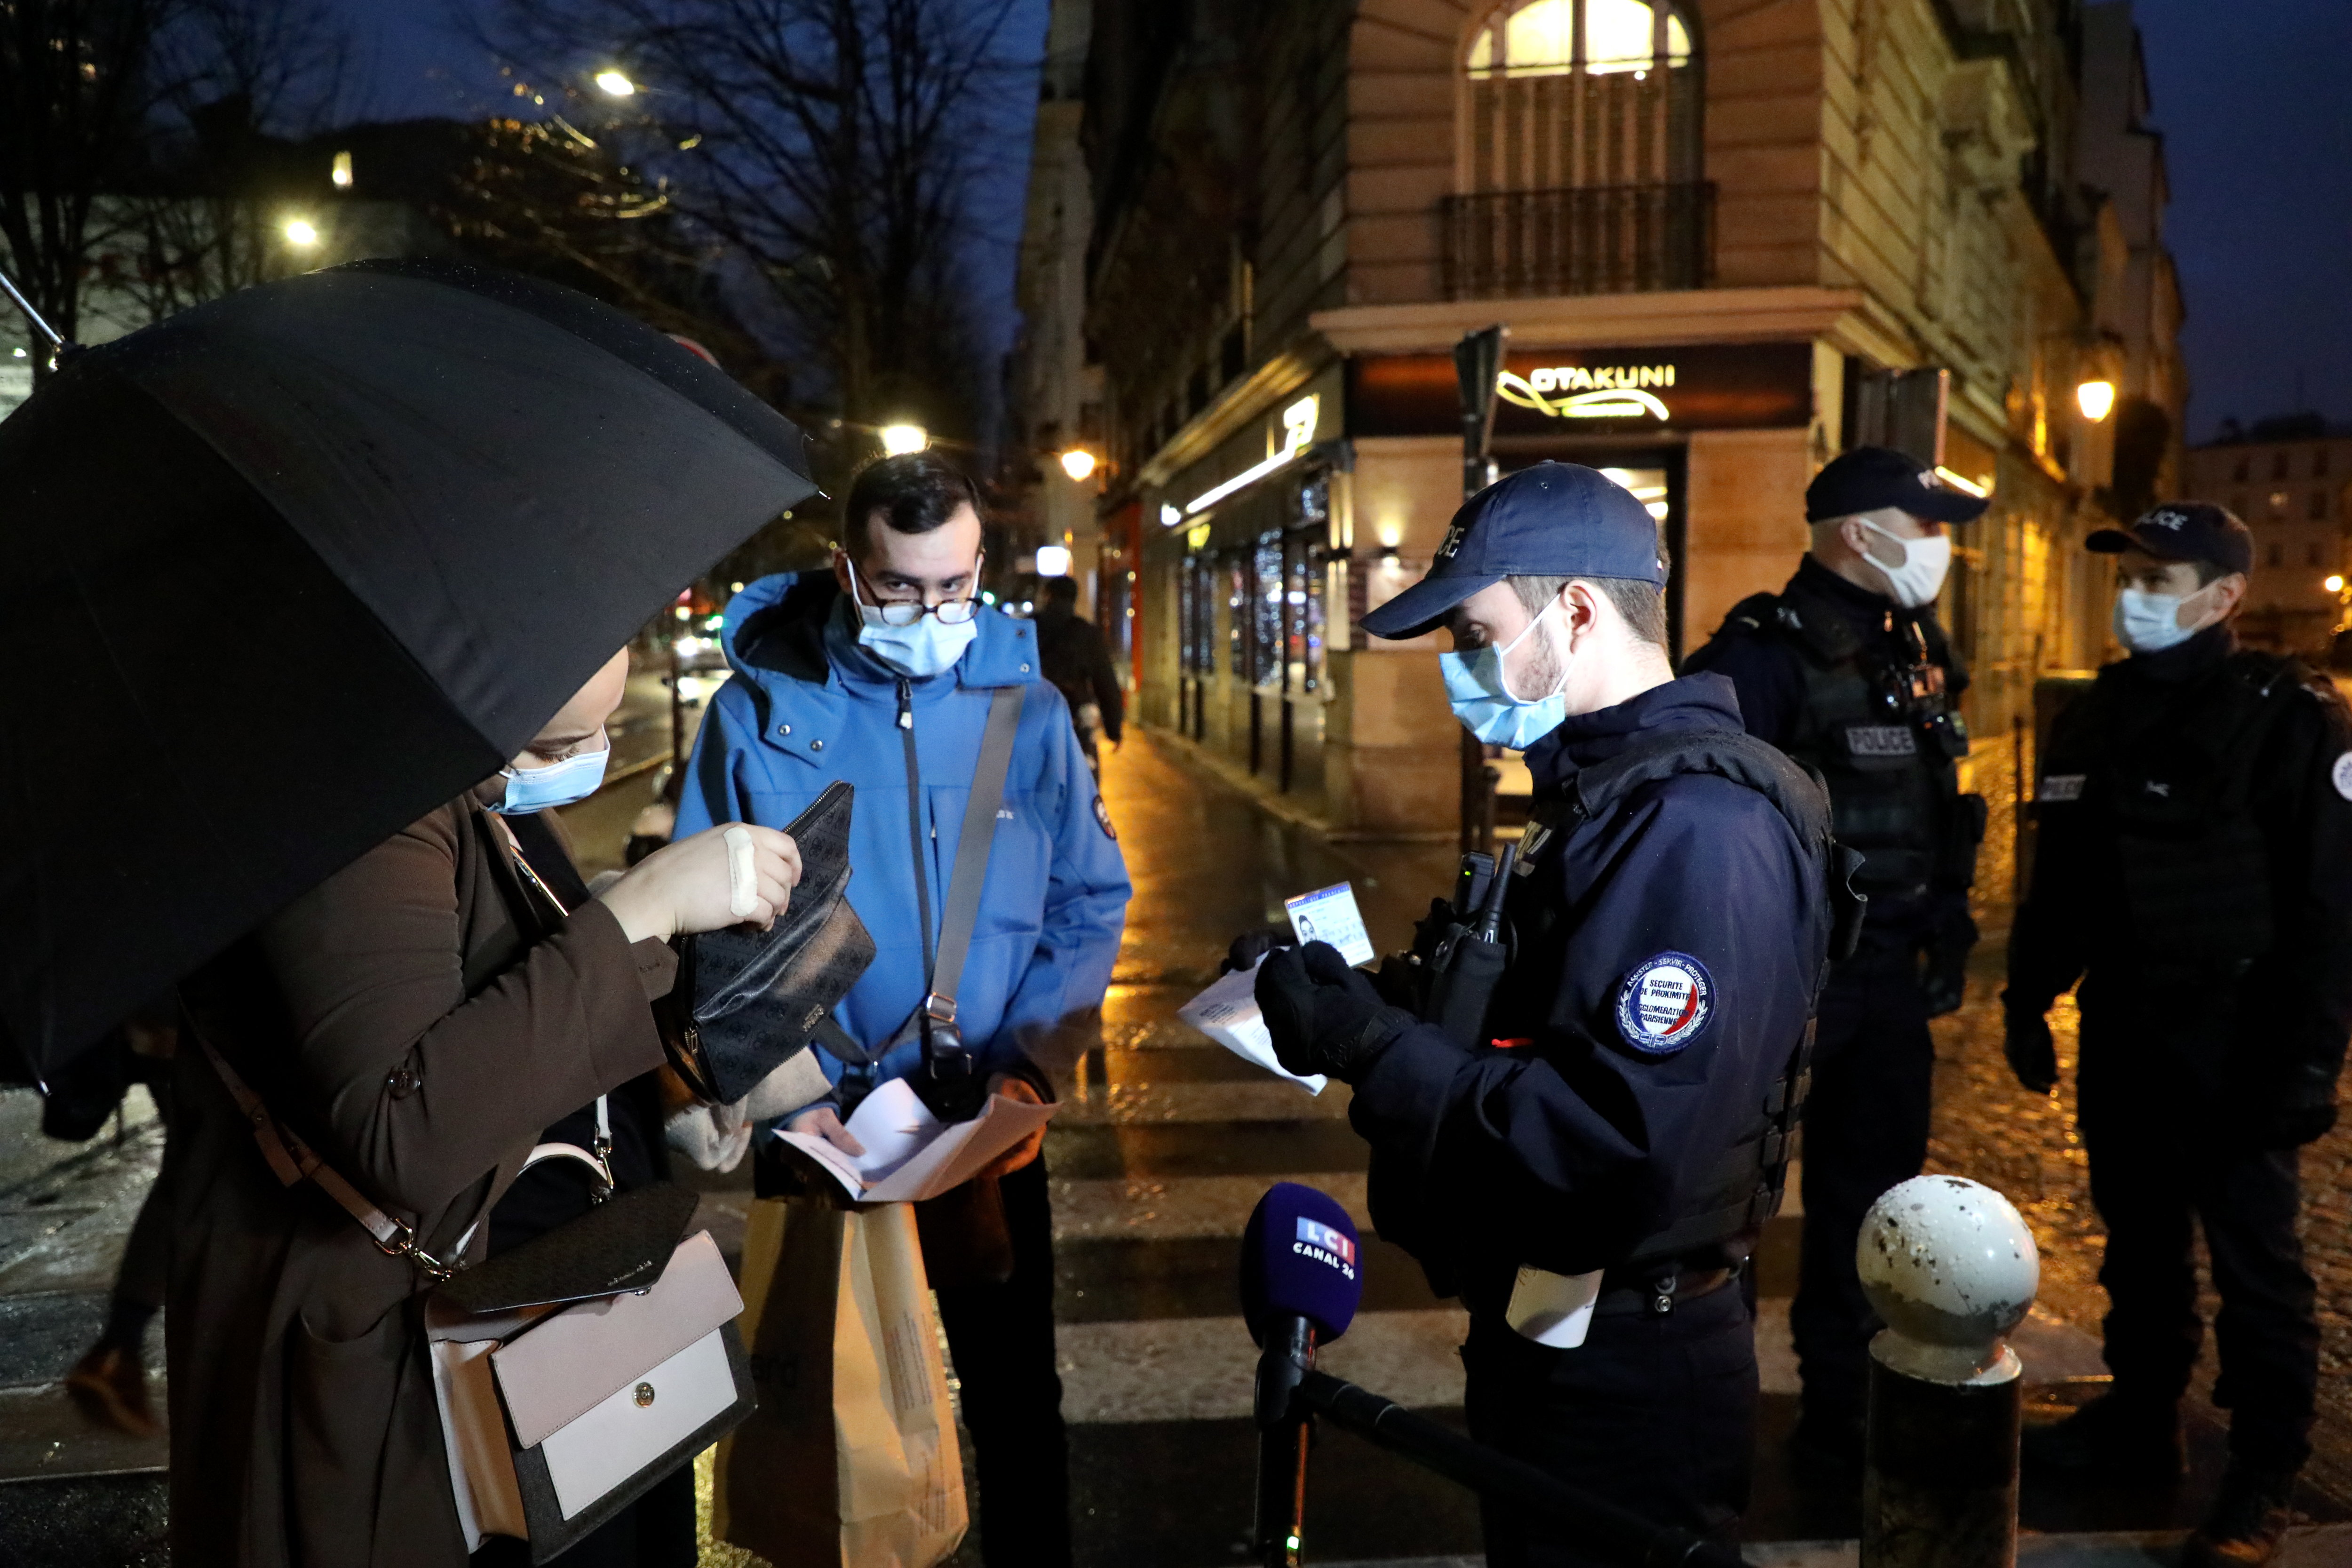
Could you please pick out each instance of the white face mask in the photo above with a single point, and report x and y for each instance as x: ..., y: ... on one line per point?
x: 929, y: 645
x: 2150, y: 623
x: 1919, y: 577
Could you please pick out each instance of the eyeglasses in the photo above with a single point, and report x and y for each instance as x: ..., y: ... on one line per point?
x: 906, y: 611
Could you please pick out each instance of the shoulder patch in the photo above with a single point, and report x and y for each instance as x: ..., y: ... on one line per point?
x: 2056, y: 787
x: 1102, y: 817
x: 2340, y: 775
x: 1664, y: 1003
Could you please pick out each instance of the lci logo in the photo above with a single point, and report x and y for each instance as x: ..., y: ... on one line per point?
x: 1589, y: 392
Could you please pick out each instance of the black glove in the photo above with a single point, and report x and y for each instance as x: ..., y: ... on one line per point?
x: 1325, y: 1017
x: 2291, y: 1126
x: 1945, y: 980
x: 2033, y: 1055
x: 2288, y: 1114
x: 1253, y: 945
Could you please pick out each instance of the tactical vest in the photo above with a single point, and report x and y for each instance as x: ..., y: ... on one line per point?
x: 1886, y: 755
x: 1744, y: 1188
x: 2175, y: 781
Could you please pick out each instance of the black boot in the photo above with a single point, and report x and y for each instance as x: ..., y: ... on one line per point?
x: 2246, y: 1522
x: 2111, y: 1436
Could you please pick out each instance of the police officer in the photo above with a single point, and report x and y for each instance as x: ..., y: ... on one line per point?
x: 1847, y: 671
x: 2194, y: 870
x: 1620, y: 1109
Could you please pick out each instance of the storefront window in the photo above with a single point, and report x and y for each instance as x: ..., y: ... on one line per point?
x: 1237, y: 614
x: 1267, y: 610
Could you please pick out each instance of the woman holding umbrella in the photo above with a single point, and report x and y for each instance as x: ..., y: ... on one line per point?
x: 448, y: 495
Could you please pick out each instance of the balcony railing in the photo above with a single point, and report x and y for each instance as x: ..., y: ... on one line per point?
x: 1599, y: 239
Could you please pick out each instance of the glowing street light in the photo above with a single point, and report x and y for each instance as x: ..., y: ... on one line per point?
x: 900, y: 440
x: 300, y: 233
x: 615, y: 84
x: 1078, y: 463
x: 2335, y: 583
x: 1053, y: 561
x: 2095, y: 399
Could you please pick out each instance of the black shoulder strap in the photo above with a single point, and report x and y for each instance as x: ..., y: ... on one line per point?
x: 1732, y: 754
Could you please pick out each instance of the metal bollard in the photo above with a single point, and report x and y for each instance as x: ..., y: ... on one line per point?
x: 1950, y: 1268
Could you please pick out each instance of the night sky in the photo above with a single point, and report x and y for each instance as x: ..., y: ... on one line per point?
x: 2252, y: 98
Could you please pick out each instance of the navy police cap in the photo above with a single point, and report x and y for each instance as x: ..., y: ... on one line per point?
x: 1554, y: 519
x: 1869, y: 478
x: 2184, y: 530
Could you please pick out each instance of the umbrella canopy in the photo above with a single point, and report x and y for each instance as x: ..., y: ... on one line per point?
x: 282, y: 574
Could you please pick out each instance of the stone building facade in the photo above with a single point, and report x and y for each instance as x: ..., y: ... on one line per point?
x: 1727, y: 240
x: 2289, y: 479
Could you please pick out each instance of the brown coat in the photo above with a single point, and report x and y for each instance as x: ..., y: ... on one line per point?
x: 418, y: 1023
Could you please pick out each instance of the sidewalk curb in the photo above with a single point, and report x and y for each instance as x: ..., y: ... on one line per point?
x: 1196, y: 758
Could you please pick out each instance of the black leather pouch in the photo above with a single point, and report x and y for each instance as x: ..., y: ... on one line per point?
x: 746, y: 999
x: 622, y: 1244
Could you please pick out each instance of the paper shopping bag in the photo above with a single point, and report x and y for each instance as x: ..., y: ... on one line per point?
x: 851, y: 1460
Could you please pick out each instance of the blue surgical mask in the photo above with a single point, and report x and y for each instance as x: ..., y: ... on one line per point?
x: 2150, y: 623
x: 929, y: 645
x: 575, y: 778
x: 1482, y: 697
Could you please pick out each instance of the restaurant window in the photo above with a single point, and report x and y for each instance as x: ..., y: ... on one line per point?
x: 1265, y: 610
x: 1569, y: 93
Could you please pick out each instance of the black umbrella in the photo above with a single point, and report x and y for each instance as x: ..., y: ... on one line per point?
x: 280, y: 574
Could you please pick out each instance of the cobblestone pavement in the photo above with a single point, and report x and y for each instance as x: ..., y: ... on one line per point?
x: 1163, y: 1145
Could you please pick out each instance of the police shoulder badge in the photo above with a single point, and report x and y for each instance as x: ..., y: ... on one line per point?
x: 1102, y: 815
x: 1664, y: 1004
x: 2340, y: 775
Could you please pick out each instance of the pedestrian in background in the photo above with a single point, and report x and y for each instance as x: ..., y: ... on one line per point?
x: 885, y: 672
x: 1847, y: 670
x: 421, y: 1022
x: 2193, y: 870
x: 1078, y: 662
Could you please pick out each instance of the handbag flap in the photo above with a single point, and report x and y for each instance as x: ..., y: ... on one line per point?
x: 571, y: 1361
x: 620, y: 1244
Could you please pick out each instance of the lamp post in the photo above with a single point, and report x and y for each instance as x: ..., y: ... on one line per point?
x: 1477, y: 361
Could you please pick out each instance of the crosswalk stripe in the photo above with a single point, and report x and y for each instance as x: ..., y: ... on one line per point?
x: 1169, y: 1208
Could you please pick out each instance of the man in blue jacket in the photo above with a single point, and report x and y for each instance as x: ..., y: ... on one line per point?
x: 833, y: 673
x: 1625, y: 1110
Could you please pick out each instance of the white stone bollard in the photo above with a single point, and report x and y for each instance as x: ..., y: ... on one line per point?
x: 1950, y: 1267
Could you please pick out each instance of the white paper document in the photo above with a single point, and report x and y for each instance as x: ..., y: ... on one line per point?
x: 909, y: 1153
x: 1329, y: 914
x: 1227, y: 1013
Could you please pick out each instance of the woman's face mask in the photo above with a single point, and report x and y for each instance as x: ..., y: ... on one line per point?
x: 1479, y: 692
x: 1919, y: 577
x: 917, y: 640
x: 2150, y: 623
x: 575, y: 778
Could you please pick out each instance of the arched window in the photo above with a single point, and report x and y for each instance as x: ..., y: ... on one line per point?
x: 1561, y: 94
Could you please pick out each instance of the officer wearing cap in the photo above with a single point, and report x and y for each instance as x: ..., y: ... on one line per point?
x: 1612, y: 1131
x: 1847, y: 671
x: 2193, y: 869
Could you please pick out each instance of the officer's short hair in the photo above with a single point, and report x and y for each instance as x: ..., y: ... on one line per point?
x: 915, y: 492
x: 1644, y: 604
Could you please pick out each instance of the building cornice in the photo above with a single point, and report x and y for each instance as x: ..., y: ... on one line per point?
x: 1597, y: 320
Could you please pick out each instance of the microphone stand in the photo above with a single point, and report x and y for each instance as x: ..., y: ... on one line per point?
x: 1285, y: 1432
x: 1601, y: 1527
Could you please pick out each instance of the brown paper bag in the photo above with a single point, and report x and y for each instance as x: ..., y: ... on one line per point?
x: 851, y: 1460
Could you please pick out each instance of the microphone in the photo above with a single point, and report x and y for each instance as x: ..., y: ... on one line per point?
x: 1301, y: 1277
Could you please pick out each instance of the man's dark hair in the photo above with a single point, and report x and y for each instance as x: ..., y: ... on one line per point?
x: 1644, y: 604
x: 1061, y: 590
x: 915, y: 493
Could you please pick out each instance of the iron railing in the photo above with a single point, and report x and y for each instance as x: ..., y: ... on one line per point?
x: 1598, y: 240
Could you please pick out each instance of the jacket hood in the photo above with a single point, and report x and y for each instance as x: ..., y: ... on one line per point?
x: 776, y: 628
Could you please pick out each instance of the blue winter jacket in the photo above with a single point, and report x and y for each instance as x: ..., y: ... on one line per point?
x: 809, y: 706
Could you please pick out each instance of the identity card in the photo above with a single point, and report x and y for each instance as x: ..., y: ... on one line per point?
x: 1329, y: 914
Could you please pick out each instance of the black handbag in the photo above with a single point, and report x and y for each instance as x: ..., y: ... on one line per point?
x: 746, y: 1000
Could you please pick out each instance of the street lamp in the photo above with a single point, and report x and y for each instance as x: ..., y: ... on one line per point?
x: 2095, y: 399
x: 2335, y: 583
x: 614, y: 83
x: 900, y: 440
x: 1053, y: 561
x: 1078, y: 463
x: 300, y: 233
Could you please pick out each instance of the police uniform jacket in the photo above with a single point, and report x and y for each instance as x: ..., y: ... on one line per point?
x: 2193, y: 858
x: 1812, y: 667
x: 1668, y: 952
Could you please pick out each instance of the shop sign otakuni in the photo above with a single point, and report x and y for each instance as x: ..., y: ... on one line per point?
x: 1551, y: 393
x: 1590, y: 392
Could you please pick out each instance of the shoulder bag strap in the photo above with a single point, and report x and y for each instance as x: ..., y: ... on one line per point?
x: 965, y: 883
